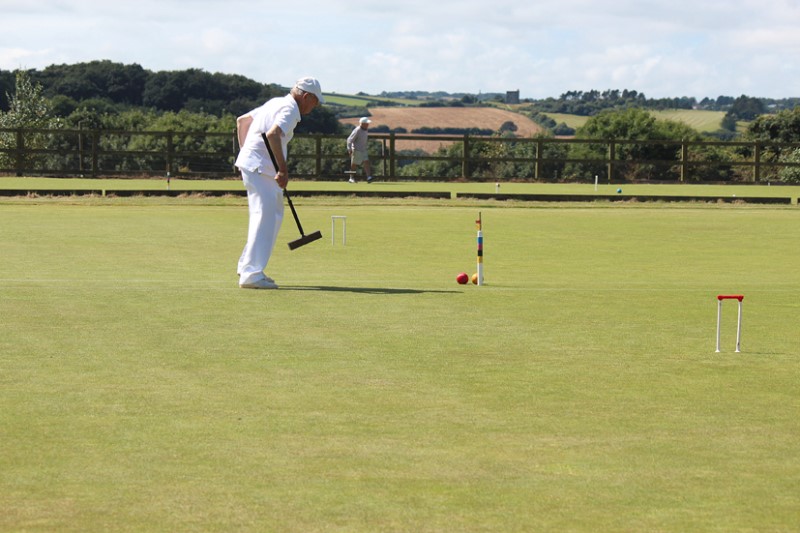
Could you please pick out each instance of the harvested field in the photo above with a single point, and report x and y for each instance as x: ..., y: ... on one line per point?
x: 412, y: 118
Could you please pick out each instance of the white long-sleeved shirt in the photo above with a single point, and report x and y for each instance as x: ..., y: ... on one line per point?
x: 282, y: 111
x: 358, y: 140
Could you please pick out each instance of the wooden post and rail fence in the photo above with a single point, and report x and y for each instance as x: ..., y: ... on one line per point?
x: 103, y: 153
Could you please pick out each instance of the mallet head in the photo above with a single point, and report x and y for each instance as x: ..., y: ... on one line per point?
x: 305, y: 239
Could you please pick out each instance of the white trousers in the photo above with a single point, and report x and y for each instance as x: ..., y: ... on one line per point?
x: 265, y: 202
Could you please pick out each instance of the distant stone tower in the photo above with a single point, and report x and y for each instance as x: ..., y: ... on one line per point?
x: 512, y: 97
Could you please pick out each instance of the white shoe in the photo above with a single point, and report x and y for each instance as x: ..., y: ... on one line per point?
x: 265, y: 283
x: 352, y: 180
x: 265, y: 277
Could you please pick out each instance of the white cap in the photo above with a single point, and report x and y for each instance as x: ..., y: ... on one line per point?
x: 365, y: 120
x: 310, y: 85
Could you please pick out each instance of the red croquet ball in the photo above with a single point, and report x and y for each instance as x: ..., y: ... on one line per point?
x: 462, y: 278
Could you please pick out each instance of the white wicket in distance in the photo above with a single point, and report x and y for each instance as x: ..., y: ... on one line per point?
x: 334, y: 218
x: 720, y: 298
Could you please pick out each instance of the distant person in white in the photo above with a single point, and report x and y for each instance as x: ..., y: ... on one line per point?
x: 357, y: 148
x: 264, y: 183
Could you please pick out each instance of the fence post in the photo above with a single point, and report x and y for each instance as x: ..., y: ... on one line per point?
x: 465, y: 158
x: 19, y: 165
x: 318, y: 152
x: 757, y: 162
x: 392, y: 156
x: 170, y: 153
x: 684, y: 160
x: 383, y: 156
x: 538, y: 169
x: 80, y: 147
x: 95, y: 147
x: 612, y: 153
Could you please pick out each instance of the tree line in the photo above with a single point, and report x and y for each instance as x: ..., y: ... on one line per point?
x: 590, y: 103
x: 114, y: 95
x: 125, y: 86
x: 95, y: 91
x: 102, y: 95
x: 105, y: 95
x: 648, y: 160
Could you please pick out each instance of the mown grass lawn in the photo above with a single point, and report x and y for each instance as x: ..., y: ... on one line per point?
x: 142, y: 390
x: 235, y: 185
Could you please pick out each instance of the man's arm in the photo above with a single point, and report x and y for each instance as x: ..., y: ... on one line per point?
x: 242, y: 127
x: 352, y: 138
x: 274, y: 136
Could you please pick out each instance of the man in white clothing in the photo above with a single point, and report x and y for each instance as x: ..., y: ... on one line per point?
x: 357, y: 148
x: 264, y: 183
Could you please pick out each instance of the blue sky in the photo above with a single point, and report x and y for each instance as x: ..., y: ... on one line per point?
x: 543, y: 48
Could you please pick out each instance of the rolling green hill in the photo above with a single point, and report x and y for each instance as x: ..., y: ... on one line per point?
x: 349, y: 100
x: 702, y: 121
x: 573, y: 121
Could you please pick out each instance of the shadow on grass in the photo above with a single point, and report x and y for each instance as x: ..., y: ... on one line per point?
x: 363, y: 290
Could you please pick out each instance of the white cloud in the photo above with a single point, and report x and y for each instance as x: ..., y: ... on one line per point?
x: 782, y: 40
x: 659, y: 47
x: 20, y: 57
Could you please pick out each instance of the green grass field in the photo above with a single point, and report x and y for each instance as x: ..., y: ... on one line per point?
x: 573, y: 121
x: 235, y: 185
x: 578, y: 390
x: 702, y: 121
x: 348, y: 100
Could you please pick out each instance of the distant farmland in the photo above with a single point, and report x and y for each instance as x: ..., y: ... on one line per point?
x: 702, y: 121
x: 364, y: 101
x: 573, y: 121
x: 412, y: 118
x: 492, y: 118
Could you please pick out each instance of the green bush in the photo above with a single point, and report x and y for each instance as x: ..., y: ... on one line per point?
x: 791, y: 174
